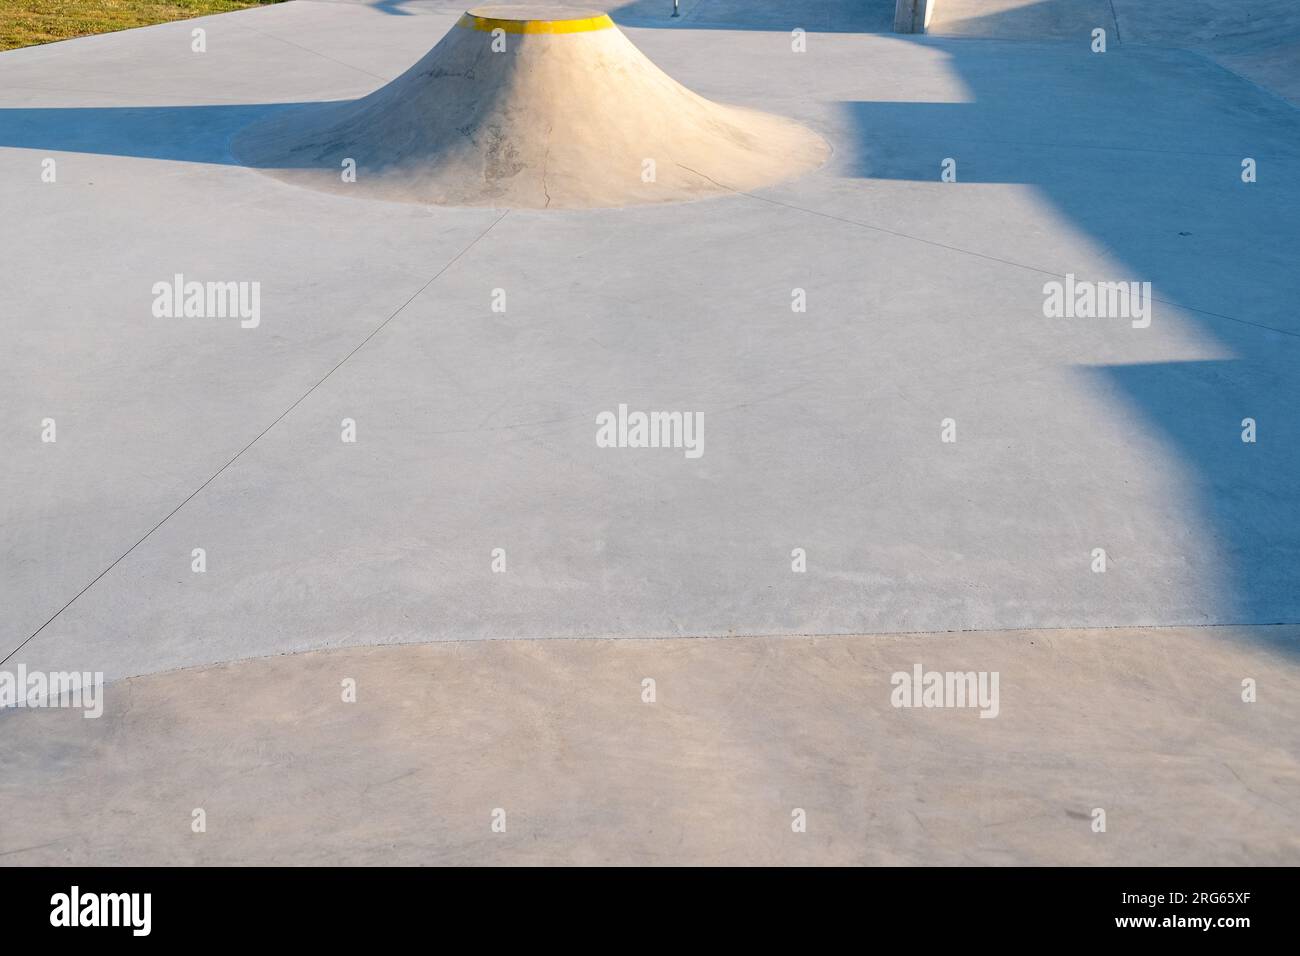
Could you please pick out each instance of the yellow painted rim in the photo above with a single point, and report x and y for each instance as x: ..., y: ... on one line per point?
x: 488, y: 24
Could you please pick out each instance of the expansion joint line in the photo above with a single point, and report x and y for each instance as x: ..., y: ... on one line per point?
x: 281, y: 417
x: 306, y: 49
x: 969, y: 252
x: 998, y: 259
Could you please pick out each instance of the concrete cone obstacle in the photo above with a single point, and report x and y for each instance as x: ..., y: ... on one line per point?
x: 531, y: 107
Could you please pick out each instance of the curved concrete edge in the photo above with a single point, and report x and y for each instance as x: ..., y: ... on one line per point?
x: 684, y: 751
x: 488, y: 19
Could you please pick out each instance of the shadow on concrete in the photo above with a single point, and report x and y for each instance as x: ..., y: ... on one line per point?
x: 1153, y: 178
x: 394, y: 8
x: 191, y: 134
x: 1246, y: 497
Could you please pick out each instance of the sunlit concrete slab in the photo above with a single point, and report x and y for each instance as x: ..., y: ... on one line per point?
x: 1027, y: 19
x: 1117, y: 747
x: 476, y: 429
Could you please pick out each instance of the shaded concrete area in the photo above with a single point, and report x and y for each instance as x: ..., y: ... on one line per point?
x: 1193, y: 207
x: 1148, y: 725
x: 1259, y: 39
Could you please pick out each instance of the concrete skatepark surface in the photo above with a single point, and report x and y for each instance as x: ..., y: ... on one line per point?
x: 1259, y: 40
x: 1145, y: 725
x: 475, y: 428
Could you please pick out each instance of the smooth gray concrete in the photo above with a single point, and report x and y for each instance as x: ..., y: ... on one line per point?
x: 1147, y: 726
x: 1024, y: 19
x: 476, y: 429
x: 846, y: 16
x: 1259, y: 39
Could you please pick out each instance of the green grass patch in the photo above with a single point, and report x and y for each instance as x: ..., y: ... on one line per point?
x: 28, y: 22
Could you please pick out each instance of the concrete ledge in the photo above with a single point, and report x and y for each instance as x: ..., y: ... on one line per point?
x: 913, y: 16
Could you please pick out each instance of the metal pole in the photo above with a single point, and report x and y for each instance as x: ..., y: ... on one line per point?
x: 675, y: 13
